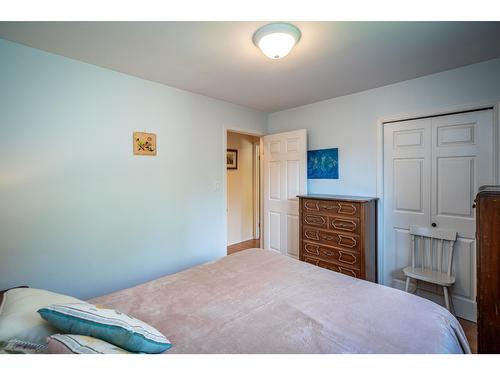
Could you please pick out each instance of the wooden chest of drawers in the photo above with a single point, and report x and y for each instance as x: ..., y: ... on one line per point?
x: 340, y: 233
x: 488, y: 269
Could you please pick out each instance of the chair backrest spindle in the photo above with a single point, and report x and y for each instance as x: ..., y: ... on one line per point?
x: 450, y: 259
x: 432, y: 246
x: 440, y: 255
x: 412, y: 241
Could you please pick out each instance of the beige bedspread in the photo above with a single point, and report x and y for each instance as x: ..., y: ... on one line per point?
x: 258, y: 301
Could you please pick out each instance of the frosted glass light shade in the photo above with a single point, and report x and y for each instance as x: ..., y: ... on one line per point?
x: 276, y: 40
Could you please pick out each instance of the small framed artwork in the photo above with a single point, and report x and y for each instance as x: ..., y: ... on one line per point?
x: 323, y: 164
x: 232, y: 159
x: 144, y: 143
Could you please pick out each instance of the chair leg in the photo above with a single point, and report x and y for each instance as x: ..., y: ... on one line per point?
x: 446, y: 298
x: 407, y: 286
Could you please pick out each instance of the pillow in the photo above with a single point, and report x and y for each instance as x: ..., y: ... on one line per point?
x: 15, y: 346
x: 106, y: 324
x: 1, y: 302
x: 19, y: 319
x: 78, y: 344
x: 5, y: 291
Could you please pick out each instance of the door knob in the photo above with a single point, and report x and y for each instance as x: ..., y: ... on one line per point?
x: 434, y: 225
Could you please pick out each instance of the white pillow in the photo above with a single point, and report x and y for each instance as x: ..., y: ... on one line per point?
x: 19, y: 319
x: 77, y: 344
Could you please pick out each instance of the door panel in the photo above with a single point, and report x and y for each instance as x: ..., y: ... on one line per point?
x: 292, y: 231
x: 462, y: 160
x: 432, y: 170
x: 274, y: 178
x: 285, y: 163
x: 406, y: 190
x: 455, y: 178
x: 464, y: 266
x: 409, y: 185
x: 292, y: 179
x: 274, y: 230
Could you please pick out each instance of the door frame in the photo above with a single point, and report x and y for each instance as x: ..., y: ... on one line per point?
x: 234, y: 129
x: 257, y: 193
x: 495, y: 103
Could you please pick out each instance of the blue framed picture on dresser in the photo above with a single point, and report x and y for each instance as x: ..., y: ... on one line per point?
x: 323, y: 164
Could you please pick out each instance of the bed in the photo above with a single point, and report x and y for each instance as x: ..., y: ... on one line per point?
x: 258, y: 301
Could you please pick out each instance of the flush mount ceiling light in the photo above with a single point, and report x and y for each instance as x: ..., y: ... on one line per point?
x: 276, y: 40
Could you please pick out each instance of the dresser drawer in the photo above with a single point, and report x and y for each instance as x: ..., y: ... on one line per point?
x: 332, y: 267
x: 342, y: 240
x: 331, y: 222
x: 350, y: 209
x: 338, y: 256
x: 344, y: 224
x: 316, y: 220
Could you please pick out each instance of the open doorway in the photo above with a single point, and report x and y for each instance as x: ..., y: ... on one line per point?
x: 243, y: 192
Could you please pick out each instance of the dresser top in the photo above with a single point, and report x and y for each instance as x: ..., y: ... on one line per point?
x: 489, y: 189
x: 330, y: 197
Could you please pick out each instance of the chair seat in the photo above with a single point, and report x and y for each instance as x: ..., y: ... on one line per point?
x: 430, y: 276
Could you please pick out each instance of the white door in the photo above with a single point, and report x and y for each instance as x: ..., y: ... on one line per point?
x: 285, y: 177
x: 432, y: 170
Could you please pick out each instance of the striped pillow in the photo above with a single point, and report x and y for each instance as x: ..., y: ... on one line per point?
x: 78, y: 344
x: 106, y: 324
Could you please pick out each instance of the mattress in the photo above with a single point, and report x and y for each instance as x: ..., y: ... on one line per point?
x: 258, y: 301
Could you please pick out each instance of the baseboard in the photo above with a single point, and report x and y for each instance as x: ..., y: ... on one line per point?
x: 237, y: 242
x: 462, y: 307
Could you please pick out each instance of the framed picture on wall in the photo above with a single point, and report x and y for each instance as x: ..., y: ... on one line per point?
x: 144, y: 143
x: 232, y: 159
x: 323, y: 164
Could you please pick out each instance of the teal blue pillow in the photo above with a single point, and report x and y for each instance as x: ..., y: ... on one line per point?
x: 106, y: 324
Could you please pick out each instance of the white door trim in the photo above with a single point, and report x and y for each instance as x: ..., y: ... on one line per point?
x: 256, y: 190
x: 495, y: 103
x: 234, y: 129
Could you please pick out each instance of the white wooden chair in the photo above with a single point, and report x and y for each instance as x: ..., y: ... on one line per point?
x: 427, y: 261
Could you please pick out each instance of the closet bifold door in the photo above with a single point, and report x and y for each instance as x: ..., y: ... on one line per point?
x: 407, y: 195
x: 462, y: 146
x: 433, y: 168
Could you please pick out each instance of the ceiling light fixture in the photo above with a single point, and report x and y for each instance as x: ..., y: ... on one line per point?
x: 276, y: 40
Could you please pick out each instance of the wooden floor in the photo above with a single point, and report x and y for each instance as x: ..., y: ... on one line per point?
x: 242, y: 246
x: 470, y: 329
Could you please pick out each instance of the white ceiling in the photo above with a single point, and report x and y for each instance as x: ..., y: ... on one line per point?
x: 218, y: 59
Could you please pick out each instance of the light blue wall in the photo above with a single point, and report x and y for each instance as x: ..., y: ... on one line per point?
x: 350, y: 122
x: 79, y: 214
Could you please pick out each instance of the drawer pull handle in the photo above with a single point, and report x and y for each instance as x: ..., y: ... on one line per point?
x: 328, y: 207
x: 314, y: 220
x: 351, y: 209
x: 329, y: 253
x: 328, y: 238
x: 349, y: 225
x: 348, y: 255
x: 312, y: 249
x: 312, y: 235
x: 315, y: 205
x: 349, y: 238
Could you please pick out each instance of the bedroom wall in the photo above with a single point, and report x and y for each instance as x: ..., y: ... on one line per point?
x: 350, y: 122
x: 79, y: 214
x: 240, y: 221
